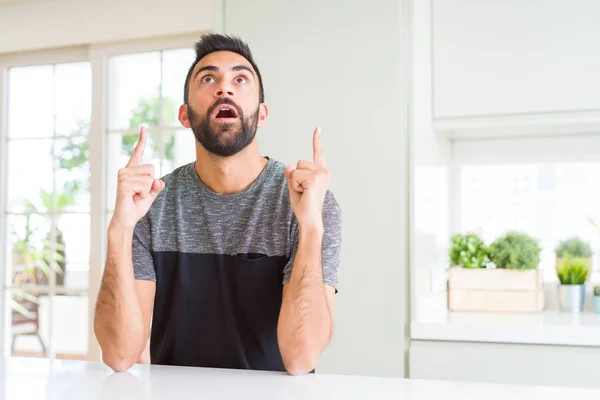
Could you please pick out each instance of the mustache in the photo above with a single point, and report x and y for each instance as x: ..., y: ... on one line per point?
x: 227, y: 101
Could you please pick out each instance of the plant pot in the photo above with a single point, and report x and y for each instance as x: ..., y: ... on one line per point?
x: 597, y: 304
x: 495, y: 290
x: 571, y: 298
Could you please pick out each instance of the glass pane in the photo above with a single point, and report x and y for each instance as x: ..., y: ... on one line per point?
x: 70, y: 318
x: 73, y: 243
x: 73, y: 233
x: 73, y: 98
x: 176, y: 64
x: 108, y: 217
x: 72, y: 174
x: 180, y: 149
x: 29, y: 251
x: 550, y: 202
x: 29, y: 334
x: 76, y: 277
x: 31, y: 102
x: 29, y: 188
x: 107, y: 220
x: 134, y: 90
x: 119, y: 149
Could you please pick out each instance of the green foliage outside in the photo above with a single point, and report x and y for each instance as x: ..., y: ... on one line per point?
x: 37, y: 258
x: 146, y: 113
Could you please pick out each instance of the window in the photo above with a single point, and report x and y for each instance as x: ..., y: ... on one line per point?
x: 47, y: 210
x: 550, y: 201
x: 72, y: 119
x: 147, y: 88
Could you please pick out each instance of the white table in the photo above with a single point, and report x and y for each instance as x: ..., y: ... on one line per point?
x: 28, y: 379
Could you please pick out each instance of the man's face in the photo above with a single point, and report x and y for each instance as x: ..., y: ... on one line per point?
x: 224, y: 110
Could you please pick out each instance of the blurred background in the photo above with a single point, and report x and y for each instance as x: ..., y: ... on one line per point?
x: 463, y: 139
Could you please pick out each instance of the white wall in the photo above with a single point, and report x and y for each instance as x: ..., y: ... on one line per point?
x: 41, y: 24
x: 513, y: 57
x: 430, y: 174
x: 340, y: 64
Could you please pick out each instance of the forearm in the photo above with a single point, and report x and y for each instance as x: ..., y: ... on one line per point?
x: 119, y: 321
x: 305, y: 325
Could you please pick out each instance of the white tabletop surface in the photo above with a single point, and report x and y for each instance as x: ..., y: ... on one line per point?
x: 552, y: 328
x: 28, y: 379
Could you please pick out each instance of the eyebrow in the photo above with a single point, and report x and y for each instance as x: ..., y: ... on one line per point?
x: 215, y: 69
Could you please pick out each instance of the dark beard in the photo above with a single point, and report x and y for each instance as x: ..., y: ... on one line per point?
x: 225, y: 140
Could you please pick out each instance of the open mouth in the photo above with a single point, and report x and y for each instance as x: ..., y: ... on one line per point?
x: 225, y: 112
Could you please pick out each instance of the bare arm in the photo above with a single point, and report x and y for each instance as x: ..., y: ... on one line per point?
x: 124, y: 305
x: 305, y: 323
x: 306, y: 318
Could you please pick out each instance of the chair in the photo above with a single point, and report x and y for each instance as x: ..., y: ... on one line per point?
x: 26, y: 325
x: 19, y: 321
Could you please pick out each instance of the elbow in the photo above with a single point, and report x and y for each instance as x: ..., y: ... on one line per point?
x: 118, y: 364
x: 300, y: 365
x: 299, y: 362
x: 301, y: 356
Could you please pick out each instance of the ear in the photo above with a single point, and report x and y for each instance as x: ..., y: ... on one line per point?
x: 183, y: 116
x: 263, y: 112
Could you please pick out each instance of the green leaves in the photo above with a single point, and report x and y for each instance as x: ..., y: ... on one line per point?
x: 515, y: 250
x: 468, y: 251
x: 572, y: 271
x: 575, y: 247
x: 147, y: 112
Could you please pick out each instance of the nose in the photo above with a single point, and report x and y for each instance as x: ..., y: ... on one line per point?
x: 224, y: 90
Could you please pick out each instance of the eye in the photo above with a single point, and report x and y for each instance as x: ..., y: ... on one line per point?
x: 241, y: 79
x: 208, y: 79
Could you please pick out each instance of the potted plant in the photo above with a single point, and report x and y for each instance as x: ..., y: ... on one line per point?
x: 572, y: 274
x: 575, y: 248
x: 501, y: 277
x: 597, y: 299
x: 468, y: 251
x: 515, y: 250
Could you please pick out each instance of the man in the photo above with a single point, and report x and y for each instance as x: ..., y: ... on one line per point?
x: 234, y: 257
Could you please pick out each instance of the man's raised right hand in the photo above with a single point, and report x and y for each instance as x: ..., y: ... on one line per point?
x: 136, y: 189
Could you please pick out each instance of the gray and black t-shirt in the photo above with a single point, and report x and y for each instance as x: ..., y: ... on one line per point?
x: 219, y: 262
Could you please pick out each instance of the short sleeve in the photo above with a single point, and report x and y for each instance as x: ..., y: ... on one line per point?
x: 332, y: 243
x: 143, y: 262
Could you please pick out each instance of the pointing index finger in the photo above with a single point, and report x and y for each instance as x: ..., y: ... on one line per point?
x: 318, y: 158
x: 138, y: 151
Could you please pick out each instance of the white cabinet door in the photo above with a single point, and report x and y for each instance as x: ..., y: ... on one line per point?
x: 340, y: 65
x: 514, y: 364
x: 495, y: 58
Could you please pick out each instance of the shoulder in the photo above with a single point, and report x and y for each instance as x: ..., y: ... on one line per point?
x: 275, y: 171
x: 178, y: 181
x: 332, y: 213
x: 276, y: 175
x: 173, y: 179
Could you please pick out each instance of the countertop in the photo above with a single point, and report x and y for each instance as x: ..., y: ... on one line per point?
x: 548, y: 327
x: 28, y: 379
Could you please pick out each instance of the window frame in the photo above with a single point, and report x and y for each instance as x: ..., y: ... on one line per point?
x: 8, y: 61
x: 98, y: 55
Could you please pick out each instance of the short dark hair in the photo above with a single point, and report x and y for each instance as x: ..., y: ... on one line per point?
x: 212, y: 42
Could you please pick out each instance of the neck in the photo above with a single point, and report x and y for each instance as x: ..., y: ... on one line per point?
x: 228, y: 175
